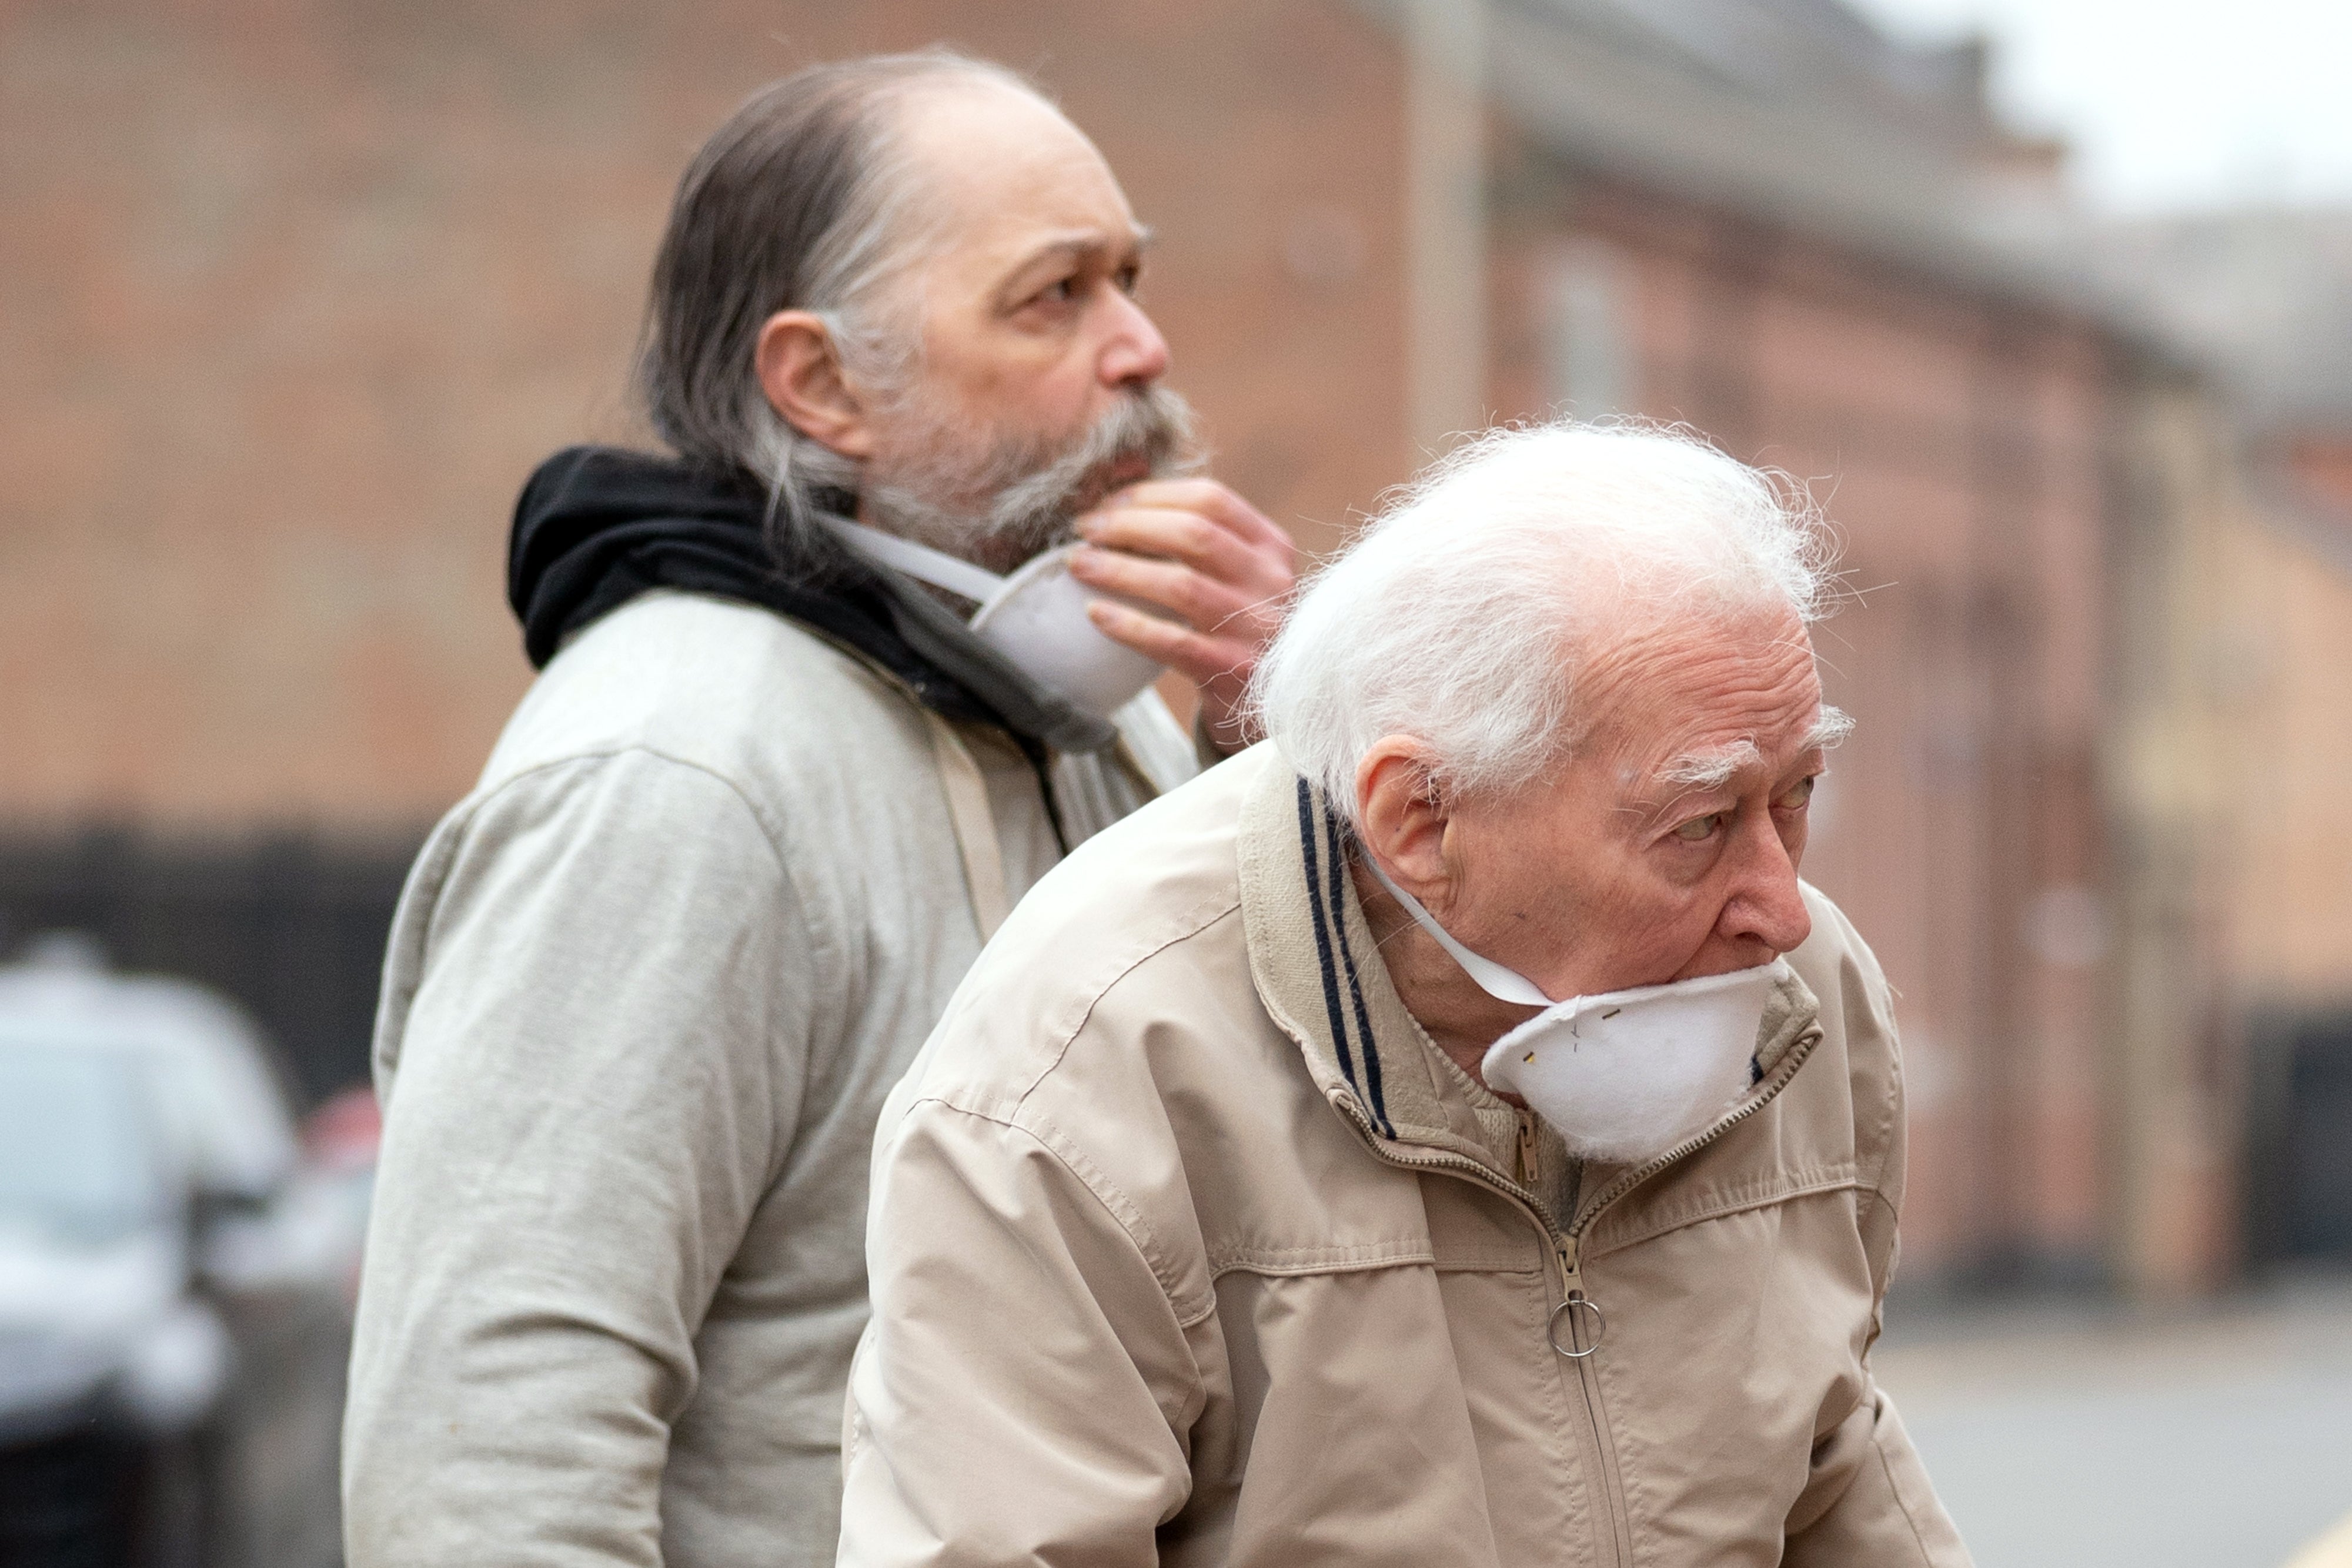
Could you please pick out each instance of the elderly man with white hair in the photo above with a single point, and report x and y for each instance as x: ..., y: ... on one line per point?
x: 1448, y: 1133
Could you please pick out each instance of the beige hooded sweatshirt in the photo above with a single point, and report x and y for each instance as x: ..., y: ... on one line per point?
x: 1188, y: 1247
x: 647, y: 987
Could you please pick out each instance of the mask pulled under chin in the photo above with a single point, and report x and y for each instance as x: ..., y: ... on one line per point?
x: 1625, y: 1075
x: 1036, y: 617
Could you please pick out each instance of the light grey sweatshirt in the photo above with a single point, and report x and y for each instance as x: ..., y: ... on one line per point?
x: 647, y: 987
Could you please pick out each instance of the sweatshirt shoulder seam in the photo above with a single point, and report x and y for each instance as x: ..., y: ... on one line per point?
x: 770, y: 832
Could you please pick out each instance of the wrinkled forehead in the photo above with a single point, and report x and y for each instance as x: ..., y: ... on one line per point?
x: 1714, y: 694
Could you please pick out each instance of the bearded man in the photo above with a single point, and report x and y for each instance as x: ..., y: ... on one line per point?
x: 776, y: 785
x: 1448, y: 1133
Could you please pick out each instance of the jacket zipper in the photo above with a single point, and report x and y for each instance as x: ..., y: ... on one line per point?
x: 1598, y: 1459
x: 1570, y: 1319
x: 1568, y: 1247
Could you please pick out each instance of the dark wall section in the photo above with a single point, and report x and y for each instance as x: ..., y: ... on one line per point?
x: 290, y: 926
x: 2299, y: 1154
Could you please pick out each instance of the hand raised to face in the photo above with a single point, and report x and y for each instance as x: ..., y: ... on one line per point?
x: 1221, y: 567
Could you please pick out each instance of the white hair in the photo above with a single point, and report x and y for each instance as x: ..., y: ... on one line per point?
x: 1461, y: 614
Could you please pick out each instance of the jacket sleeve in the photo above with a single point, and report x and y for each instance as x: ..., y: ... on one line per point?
x: 1024, y: 1385
x: 595, y: 1033
x: 1876, y: 1507
x: 1868, y: 1502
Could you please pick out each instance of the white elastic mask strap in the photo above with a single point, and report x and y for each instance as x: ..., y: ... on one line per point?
x: 920, y: 562
x: 1503, y: 985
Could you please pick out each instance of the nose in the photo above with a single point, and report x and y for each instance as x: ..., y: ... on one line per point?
x: 1134, y: 354
x: 1766, y: 906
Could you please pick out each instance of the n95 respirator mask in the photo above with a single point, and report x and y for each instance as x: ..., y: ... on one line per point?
x: 1625, y: 1075
x: 1036, y: 617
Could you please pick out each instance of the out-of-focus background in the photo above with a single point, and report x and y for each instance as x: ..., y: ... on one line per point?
x: 2049, y: 300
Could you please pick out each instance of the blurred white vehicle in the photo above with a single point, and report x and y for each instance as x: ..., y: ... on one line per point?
x: 173, y: 1279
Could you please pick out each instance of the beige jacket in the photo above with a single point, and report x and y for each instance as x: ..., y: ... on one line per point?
x: 648, y: 986
x: 1187, y: 1247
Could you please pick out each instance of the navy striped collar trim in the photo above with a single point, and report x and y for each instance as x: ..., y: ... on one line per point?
x: 1323, y: 843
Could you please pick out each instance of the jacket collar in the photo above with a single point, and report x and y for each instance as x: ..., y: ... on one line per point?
x: 1319, y: 975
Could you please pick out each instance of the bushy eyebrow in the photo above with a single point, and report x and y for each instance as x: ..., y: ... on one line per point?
x: 1710, y: 770
x: 1715, y: 767
x: 1832, y: 727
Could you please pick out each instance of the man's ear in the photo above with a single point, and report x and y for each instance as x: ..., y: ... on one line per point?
x: 1402, y: 815
x: 800, y: 371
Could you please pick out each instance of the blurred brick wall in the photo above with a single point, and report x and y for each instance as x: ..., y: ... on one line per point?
x: 298, y: 292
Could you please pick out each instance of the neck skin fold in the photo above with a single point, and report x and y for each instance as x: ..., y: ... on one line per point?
x: 1459, y: 1016
x: 1502, y: 984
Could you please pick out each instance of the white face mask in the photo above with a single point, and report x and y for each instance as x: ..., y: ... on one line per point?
x: 1626, y: 1075
x: 1036, y: 618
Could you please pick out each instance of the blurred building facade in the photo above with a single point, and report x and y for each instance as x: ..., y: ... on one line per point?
x: 2260, y: 659
x: 315, y: 284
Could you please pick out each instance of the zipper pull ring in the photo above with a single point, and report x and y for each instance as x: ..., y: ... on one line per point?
x: 1578, y: 1312
x: 1582, y: 1317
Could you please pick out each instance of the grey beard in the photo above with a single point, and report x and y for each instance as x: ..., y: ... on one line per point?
x: 1025, y: 496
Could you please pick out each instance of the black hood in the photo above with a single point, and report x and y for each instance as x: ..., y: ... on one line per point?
x: 596, y: 526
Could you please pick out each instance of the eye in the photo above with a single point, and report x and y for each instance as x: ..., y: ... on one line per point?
x: 1698, y: 830
x: 1061, y: 291
x: 1128, y: 278
x: 1798, y: 795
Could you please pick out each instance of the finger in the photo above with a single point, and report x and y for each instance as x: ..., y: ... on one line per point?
x: 1221, y: 504
x: 1184, y: 537
x: 1198, y: 658
x: 1198, y: 599
x: 1262, y: 572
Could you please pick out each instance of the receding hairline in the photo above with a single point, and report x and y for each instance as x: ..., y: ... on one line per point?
x: 920, y: 148
x: 955, y: 75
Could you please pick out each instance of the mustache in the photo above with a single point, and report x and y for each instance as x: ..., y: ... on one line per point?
x: 1150, y: 427
x: 1019, y: 498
